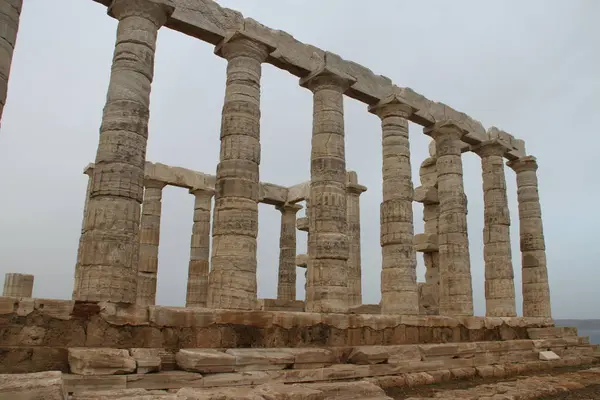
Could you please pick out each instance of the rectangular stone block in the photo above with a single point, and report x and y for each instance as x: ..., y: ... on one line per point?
x: 165, y: 380
x: 100, y: 361
x: 205, y: 360
x: 80, y: 383
x: 36, y: 386
x: 261, y: 359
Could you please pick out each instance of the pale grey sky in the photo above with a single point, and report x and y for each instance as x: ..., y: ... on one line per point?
x: 530, y: 68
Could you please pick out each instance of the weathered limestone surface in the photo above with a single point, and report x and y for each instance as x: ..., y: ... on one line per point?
x: 536, y: 292
x: 197, y: 284
x: 100, y: 361
x: 146, y: 360
x: 232, y: 281
x: 205, y: 360
x: 499, y: 275
x: 109, y: 245
x: 149, y: 242
x: 35, y: 386
x: 354, y: 190
x: 399, y: 293
x: 10, y: 13
x: 456, y: 292
x: 18, y: 285
x: 327, y: 276
x: 286, y: 283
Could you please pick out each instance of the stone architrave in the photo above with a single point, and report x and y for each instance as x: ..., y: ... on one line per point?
x: 109, y: 245
x: 10, y: 14
x: 399, y: 291
x: 536, y: 292
x: 232, y: 279
x: 18, y: 285
x: 197, y: 284
x: 353, y: 192
x: 456, y: 291
x: 286, y: 283
x: 499, y: 274
x: 149, y: 242
x: 327, y: 273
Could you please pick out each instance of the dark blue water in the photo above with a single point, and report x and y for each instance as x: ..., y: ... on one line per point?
x: 585, y: 327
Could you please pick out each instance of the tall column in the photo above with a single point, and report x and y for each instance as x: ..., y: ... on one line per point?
x: 536, y: 292
x: 10, y: 13
x: 353, y: 192
x: 197, y: 284
x: 456, y: 291
x: 499, y: 274
x: 399, y: 291
x: 149, y: 242
x: 18, y: 285
x: 89, y: 171
x: 232, y: 280
x: 286, y: 283
x: 109, y: 244
x: 327, y: 276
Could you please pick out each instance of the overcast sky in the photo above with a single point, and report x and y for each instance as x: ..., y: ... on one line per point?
x: 530, y: 68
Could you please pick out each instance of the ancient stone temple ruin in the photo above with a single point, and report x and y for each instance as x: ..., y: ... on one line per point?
x: 111, y: 340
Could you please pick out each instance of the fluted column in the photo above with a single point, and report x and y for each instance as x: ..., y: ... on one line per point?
x: 232, y: 281
x: 10, y: 13
x: 456, y: 292
x: 89, y: 171
x: 399, y: 291
x: 353, y: 192
x: 18, y: 285
x: 286, y: 282
x: 327, y: 276
x: 149, y: 242
x: 499, y: 274
x: 110, y: 241
x: 536, y: 291
x: 197, y: 284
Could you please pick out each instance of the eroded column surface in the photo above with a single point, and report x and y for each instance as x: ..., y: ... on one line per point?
x: 354, y: 190
x: 10, y: 13
x: 399, y: 291
x: 149, y: 242
x: 536, y: 291
x: 232, y: 280
x: 18, y: 285
x: 109, y: 244
x: 327, y: 275
x: 286, y: 282
x: 197, y: 284
x: 89, y: 171
x: 456, y: 292
x: 499, y: 274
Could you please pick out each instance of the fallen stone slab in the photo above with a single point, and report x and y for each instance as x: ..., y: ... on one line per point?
x: 205, y: 360
x: 100, y: 361
x: 147, y: 360
x: 35, y: 386
x: 548, y: 356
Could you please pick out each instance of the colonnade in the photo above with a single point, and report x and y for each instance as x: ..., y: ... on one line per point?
x: 118, y: 248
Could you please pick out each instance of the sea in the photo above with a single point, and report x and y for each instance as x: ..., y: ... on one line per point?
x: 585, y: 327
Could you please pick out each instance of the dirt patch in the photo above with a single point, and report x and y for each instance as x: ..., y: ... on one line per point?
x: 589, y: 393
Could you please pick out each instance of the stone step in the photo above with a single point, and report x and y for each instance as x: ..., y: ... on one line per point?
x: 35, y: 386
x: 551, y: 332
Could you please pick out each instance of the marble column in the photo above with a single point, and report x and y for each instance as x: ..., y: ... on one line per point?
x: 456, y: 291
x: 327, y: 276
x: 109, y: 244
x: 353, y: 192
x: 399, y: 291
x: 18, y: 285
x: 536, y: 292
x: 149, y: 242
x: 197, y: 284
x: 89, y: 171
x: 232, y: 280
x: 10, y: 13
x: 286, y: 283
x: 499, y: 274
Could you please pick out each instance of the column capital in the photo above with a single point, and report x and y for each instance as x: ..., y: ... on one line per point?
x: 89, y: 169
x: 444, y: 128
x: 527, y: 163
x: 355, y: 188
x: 291, y: 208
x: 392, y: 105
x: 240, y: 43
x: 493, y: 147
x: 157, y: 11
x: 154, y: 184
x: 327, y: 76
x: 203, y: 192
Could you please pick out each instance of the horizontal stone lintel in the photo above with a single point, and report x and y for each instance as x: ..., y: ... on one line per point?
x: 426, y: 243
x: 207, y: 21
x: 302, y: 260
x: 302, y: 225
